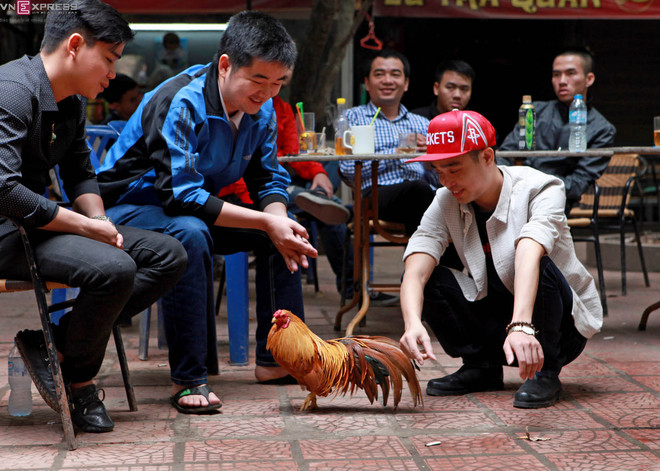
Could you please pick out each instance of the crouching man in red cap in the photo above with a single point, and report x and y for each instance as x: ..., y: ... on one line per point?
x: 523, y: 299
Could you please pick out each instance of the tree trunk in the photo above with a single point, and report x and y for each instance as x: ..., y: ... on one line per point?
x: 332, y: 25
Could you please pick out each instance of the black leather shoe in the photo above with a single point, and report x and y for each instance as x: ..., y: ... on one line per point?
x: 466, y: 380
x: 89, y: 413
x: 540, y: 391
x: 33, y: 350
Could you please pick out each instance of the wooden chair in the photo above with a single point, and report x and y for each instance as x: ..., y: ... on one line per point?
x: 40, y: 288
x: 605, y: 207
x: 366, y: 224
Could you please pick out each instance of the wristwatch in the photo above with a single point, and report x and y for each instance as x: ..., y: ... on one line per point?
x: 525, y: 329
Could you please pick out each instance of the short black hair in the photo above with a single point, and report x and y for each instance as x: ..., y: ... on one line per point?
x: 171, y: 39
x: 454, y: 65
x: 386, y: 54
x: 117, y: 87
x: 253, y: 34
x: 582, y: 52
x: 93, y: 19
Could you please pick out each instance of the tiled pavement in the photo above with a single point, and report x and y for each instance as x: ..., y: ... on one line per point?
x: 608, y: 419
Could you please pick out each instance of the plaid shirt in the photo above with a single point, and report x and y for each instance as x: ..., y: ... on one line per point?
x: 386, y: 134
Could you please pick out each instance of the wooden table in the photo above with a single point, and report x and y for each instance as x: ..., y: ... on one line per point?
x: 365, y: 217
x: 362, y: 218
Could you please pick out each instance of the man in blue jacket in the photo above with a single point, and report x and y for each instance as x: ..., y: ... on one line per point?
x: 193, y: 135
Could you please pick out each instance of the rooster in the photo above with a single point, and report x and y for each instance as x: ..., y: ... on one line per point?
x: 340, y: 365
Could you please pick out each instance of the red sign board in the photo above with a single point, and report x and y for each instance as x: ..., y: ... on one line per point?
x: 206, y: 6
x: 523, y: 9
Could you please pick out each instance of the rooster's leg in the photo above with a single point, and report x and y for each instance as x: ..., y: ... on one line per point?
x: 309, y: 403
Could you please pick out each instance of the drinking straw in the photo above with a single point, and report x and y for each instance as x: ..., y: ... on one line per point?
x: 299, y: 107
x: 374, y: 118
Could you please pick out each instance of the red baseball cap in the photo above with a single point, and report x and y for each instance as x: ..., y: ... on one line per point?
x: 456, y: 133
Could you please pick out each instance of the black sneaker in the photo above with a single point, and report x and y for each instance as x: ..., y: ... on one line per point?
x: 33, y: 350
x: 378, y: 299
x: 466, y: 380
x: 540, y: 391
x: 317, y: 204
x: 89, y: 413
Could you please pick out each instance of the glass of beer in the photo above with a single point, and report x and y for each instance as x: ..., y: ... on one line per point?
x: 656, y: 131
x: 306, y: 134
x: 407, y: 143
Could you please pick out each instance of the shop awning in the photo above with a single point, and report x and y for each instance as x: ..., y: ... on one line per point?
x: 520, y: 9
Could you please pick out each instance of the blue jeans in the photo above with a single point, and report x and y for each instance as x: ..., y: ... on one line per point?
x: 113, y: 283
x: 475, y: 331
x: 188, y: 308
x: 332, y: 237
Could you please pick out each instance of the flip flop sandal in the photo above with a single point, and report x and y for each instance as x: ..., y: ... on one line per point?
x: 194, y: 391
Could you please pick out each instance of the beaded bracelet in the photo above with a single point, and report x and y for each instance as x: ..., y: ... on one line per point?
x: 514, y: 324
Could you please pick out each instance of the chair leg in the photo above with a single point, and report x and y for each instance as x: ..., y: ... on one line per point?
x: 143, y: 345
x: 364, y: 281
x: 60, y: 390
x: 221, y: 285
x: 237, y: 308
x: 123, y: 364
x: 641, y: 253
x: 599, y: 268
x: 645, y: 315
x: 162, y: 339
x: 344, y: 270
x: 622, y: 239
x: 312, y: 264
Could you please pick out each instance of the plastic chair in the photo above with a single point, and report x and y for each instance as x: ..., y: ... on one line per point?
x: 100, y: 137
x: 117, y: 125
x: 41, y: 287
x: 606, y: 207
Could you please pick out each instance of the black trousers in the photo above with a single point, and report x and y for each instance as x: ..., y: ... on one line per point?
x: 112, y: 283
x: 475, y: 331
x: 405, y: 203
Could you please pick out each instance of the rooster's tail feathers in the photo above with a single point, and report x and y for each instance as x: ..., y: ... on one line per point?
x: 386, y: 366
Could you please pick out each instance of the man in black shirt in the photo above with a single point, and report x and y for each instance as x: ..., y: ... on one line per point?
x: 572, y: 74
x: 452, y: 88
x: 120, y: 270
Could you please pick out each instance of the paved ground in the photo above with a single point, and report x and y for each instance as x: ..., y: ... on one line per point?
x: 608, y: 419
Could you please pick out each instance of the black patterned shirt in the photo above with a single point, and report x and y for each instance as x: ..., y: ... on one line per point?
x: 37, y: 133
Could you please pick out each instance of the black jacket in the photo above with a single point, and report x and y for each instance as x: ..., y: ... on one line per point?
x: 552, y: 133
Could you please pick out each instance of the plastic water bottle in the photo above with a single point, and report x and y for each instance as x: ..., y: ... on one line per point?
x: 577, y: 120
x: 20, y: 383
x: 340, y: 126
x: 527, y: 124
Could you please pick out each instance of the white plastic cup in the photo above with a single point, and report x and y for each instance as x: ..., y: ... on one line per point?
x: 360, y: 139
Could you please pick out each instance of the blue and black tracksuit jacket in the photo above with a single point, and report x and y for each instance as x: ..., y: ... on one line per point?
x: 178, y: 151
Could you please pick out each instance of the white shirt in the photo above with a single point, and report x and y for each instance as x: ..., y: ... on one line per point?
x: 531, y: 205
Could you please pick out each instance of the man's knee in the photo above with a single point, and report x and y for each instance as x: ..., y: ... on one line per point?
x: 193, y: 233
x: 118, y: 272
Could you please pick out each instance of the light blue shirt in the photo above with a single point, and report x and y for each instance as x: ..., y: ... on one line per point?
x: 386, y: 135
